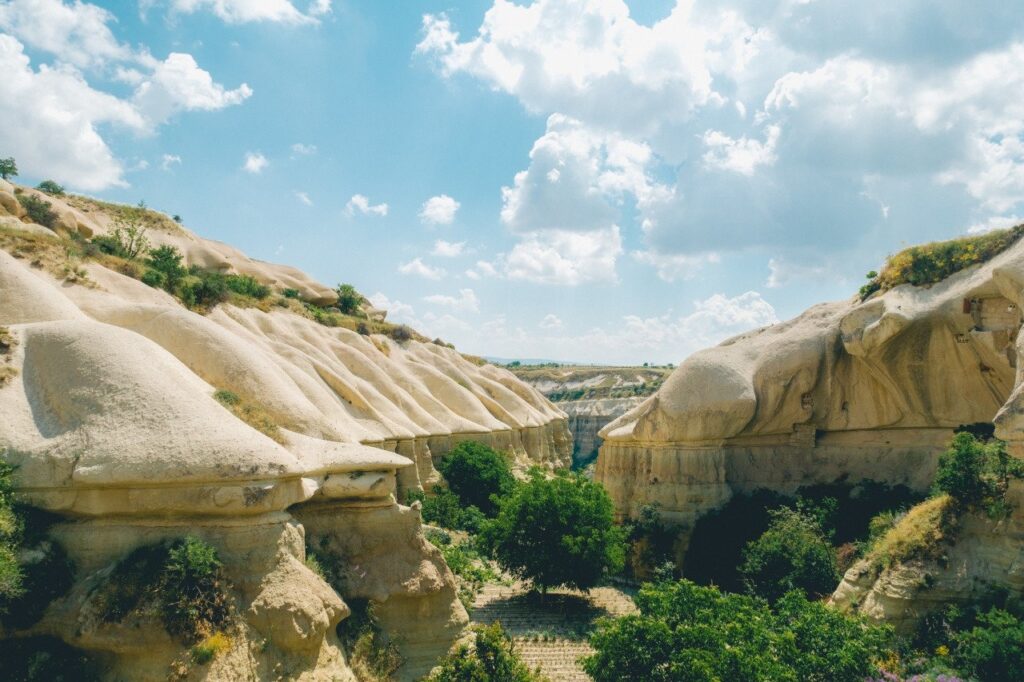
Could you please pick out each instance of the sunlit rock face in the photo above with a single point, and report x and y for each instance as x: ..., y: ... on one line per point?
x: 847, y: 391
x: 107, y: 409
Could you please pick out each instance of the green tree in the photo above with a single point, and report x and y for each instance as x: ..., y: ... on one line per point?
x: 688, y: 633
x: 792, y: 554
x: 976, y: 472
x: 349, y: 299
x: 50, y: 187
x: 491, y: 658
x: 477, y: 474
x: 8, y: 168
x: 993, y: 650
x: 39, y: 210
x: 557, y: 531
x: 167, y: 261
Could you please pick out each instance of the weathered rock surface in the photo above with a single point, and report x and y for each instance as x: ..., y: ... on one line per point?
x: 111, y: 421
x: 588, y: 417
x: 847, y: 391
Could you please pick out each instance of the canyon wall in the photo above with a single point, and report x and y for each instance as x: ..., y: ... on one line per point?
x: 108, y: 411
x: 847, y: 391
x: 587, y: 418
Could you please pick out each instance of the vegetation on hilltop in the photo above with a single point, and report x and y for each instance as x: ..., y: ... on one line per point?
x: 491, y: 657
x: 933, y: 262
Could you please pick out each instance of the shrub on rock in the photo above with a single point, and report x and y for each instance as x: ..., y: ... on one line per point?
x: 793, y: 554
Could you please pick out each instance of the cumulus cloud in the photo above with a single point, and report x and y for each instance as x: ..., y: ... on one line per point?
x: 244, y: 11
x: 995, y: 223
x: 448, y: 249
x: 741, y: 155
x: 361, y: 204
x: 168, y: 160
x: 466, y: 301
x: 54, y: 117
x: 551, y: 321
x: 785, y: 126
x: 417, y: 267
x: 304, y: 198
x: 178, y: 84
x: 782, y: 271
x: 254, y: 163
x: 565, y: 258
x: 439, y: 210
x: 397, y: 311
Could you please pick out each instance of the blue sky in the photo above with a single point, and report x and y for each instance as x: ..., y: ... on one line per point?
x: 598, y: 181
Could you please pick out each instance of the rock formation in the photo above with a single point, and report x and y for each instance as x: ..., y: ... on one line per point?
x: 847, y: 391
x: 587, y: 418
x: 108, y: 411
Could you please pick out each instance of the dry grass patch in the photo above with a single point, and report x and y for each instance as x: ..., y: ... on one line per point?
x: 251, y: 413
x: 918, y: 534
x: 151, y: 219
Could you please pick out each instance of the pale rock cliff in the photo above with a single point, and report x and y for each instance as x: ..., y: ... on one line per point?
x: 109, y: 416
x: 587, y: 418
x: 847, y: 391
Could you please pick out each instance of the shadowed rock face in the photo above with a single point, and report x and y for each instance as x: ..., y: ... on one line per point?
x: 108, y: 413
x: 587, y: 418
x: 846, y: 391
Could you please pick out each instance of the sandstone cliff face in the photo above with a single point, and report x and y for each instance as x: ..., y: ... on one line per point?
x: 845, y: 392
x: 111, y: 421
x: 587, y: 418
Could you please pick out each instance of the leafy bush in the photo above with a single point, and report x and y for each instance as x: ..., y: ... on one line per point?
x: 50, y: 187
x: 183, y: 578
x: 166, y: 261
x: 688, y: 633
x: 11, y: 578
x: 491, y: 657
x: 129, y: 234
x: 290, y: 293
x: 8, y: 168
x: 208, y: 649
x: 245, y: 285
x: 349, y: 300
x: 477, y: 474
x: 401, y: 333
x: 974, y: 472
x: 39, y: 210
x: 442, y: 508
x: 466, y: 562
x: 370, y: 654
x: 557, y: 531
x: 934, y: 262
x: 650, y: 542
x: 993, y: 650
x: 203, y: 288
x: 792, y: 554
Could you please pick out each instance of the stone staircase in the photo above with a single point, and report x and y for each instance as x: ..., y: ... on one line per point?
x: 550, y: 633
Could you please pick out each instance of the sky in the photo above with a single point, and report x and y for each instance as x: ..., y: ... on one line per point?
x: 604, y: 181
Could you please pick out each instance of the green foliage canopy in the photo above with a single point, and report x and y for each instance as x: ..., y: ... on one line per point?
x: 478, y: 475
x: 557, y: 531
x: 793, y: 554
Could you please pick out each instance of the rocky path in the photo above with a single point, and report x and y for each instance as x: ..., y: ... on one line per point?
x: 551, y: 634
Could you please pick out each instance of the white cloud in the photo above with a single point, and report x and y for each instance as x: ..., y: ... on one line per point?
x: 300, y: 149
x: 417, y: 267
x: 168, y: 160
x: 466, y: 301
x: 361, y: 204
x: 565, y: 258
x: 51, y: 120
x: 75, y: 34
x: 586, y: 58
x: 53, y: 117
x: 243, y: 11
x: 672, y: 267
x: 304, y: 198
x: 178, y: 84
x: 741, y: 155
x: 995, y: 223
x: 255, y: 162
x: 551, y: 321
x: 445, y: 249
x: 439, y: 210
x: 397, y: 311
